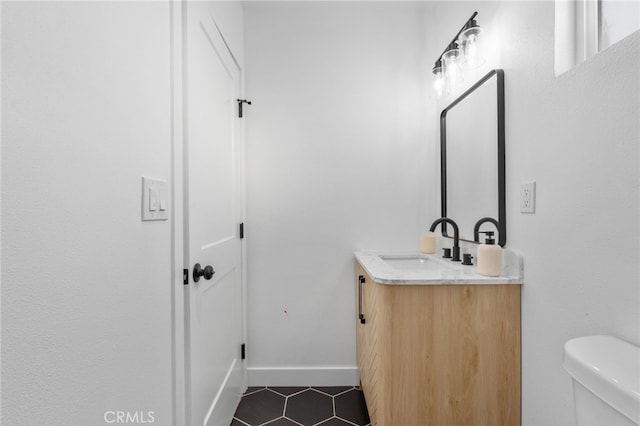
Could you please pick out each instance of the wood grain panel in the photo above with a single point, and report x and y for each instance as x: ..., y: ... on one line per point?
x: 444, y: 355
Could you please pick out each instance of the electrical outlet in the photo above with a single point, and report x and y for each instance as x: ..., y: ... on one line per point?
x: 528, y: 197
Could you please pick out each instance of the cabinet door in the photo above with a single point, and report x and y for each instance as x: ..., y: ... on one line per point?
x: 439, y: 354
x: 455, y: 355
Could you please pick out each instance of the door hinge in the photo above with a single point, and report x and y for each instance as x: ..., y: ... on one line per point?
x: 240, y: 102
x: 243, y: 351
x: 185, y: 276
x: 242, y: 230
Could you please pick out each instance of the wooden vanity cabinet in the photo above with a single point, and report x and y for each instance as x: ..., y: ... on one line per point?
x: 439, y: 354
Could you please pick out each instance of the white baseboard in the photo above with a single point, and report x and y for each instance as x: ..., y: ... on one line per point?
x: 303, y: 376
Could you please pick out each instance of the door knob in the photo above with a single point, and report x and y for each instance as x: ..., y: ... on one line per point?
x: 206, y: 272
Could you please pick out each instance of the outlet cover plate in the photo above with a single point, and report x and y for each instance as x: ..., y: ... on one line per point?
x: 528, y: 197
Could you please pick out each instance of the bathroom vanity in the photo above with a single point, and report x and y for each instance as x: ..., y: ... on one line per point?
x: 438, y: 344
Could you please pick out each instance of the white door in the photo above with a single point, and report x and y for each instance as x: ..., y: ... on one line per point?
x: 213, y: 307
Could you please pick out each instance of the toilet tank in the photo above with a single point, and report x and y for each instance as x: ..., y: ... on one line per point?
x: 606, y: 380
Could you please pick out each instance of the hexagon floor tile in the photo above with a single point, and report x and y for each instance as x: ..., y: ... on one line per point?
x: 309, y: 407
x: 260, y: 407
x: 302, y: 406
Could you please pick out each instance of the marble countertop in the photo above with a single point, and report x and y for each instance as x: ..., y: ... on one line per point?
x: 438, y: 272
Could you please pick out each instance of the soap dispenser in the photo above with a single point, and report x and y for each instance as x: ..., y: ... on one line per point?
x: 489, y: 257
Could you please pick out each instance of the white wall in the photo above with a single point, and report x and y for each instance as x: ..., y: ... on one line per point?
x: 86, y: 286
x: 337, y: 161
x: 341, y: 156
x: 340, y: 160
x: 576, y: 136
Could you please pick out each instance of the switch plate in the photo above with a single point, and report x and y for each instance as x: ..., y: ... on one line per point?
x: 528, y: 197
x: 155, y: 198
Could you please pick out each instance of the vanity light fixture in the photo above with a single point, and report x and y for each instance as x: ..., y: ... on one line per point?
x: 462, y: 51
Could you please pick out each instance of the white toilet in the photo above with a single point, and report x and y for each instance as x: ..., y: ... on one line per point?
x: 606, y: 380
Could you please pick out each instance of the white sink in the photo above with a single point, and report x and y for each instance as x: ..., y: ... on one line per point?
x: 414, y: 262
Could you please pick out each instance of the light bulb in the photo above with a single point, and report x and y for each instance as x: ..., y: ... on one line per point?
x: 452, y: 70
x: 471, y: 47
x: 438, y: 81
x: 452, y: 55
x: 451, y: 58
x: 469, y: 41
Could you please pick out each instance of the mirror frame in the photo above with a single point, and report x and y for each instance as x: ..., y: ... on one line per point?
x: 502, y: 211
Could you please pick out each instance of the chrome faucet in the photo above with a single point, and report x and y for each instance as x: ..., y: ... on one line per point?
x: 456, y: 242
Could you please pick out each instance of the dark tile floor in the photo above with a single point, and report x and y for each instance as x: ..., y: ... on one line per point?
x: 306, y: 406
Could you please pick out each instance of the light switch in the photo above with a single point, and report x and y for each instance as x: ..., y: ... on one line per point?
x: 155, y: 199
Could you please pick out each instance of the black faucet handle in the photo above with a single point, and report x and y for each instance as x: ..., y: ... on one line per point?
x: 447, y: 253
x: 489, y: 239
x: 466, y: 259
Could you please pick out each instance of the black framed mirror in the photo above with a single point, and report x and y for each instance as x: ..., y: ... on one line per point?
x: 472, y: 158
